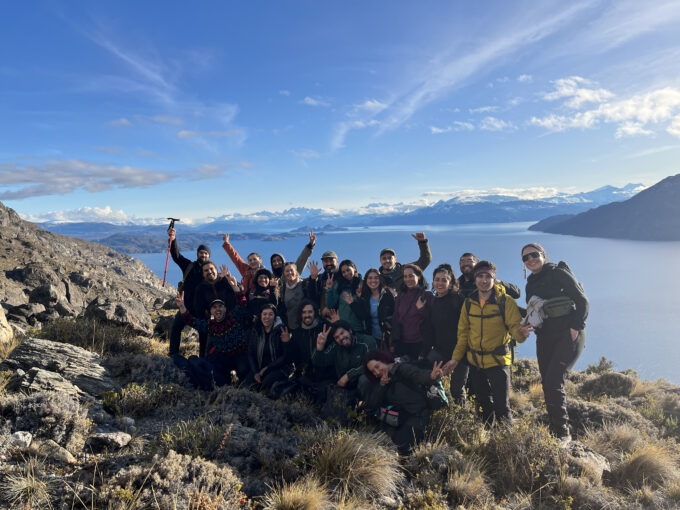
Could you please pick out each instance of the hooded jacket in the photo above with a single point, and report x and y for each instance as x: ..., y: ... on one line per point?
x: 405, y: 391
x: 266, y: 350
x: 345, y: 360
x: 441, y: 323
x: 300, y: 262
x: 484, y: 334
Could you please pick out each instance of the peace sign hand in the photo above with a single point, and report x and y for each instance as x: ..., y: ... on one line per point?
x: 321, y: 337
x: 312, y: 239
x: 224, y: 271
x: 329, y: 280
x: 437, y: 370
x: 225, y: 238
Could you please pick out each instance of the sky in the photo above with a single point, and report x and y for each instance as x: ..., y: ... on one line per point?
x: 119, y: 111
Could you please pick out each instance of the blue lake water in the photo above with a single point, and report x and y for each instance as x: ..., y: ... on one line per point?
x: 632, y: 285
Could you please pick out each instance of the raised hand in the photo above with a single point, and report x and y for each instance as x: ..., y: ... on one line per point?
x: 314, y: 269
x: 312, y: 239
x: 321, y: 337
x: 347, y: 297
x: 419, y: 236
x: 285, y: 335
x: 225, y: 238
x: 333, y: 316
x: 437, y: 370
x: 420, y: 303
x: 329, y: 280
x: 179, y: 300
x: 171, y: 233
x: 224, y: 271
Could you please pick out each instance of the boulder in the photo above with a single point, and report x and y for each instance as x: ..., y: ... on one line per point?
x: 107, y: 440
x: 583, y: 458
x: 52, y: 296
x: 55, y: 453
x: 6, y: 332
x: 78, y: 366
x: 163, y: 326
x: 37, y: 379
x: 25, y: 313
x: 21, y: 439
x: 128, y: 313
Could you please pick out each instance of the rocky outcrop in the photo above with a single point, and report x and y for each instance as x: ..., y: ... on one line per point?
x: 127, y: 313
x: 63, y: 274
x: 6, y: 333
x: 53, y: 366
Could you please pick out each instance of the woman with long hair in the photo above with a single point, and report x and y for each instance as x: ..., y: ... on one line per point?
x: 377, y: 308
x: 559, y: 325
x: 294, y: 291
x: 409, y: 314
x: 266, y: 352
x: 342, y: 293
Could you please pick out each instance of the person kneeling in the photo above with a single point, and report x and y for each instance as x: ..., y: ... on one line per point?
x: 266, y: 353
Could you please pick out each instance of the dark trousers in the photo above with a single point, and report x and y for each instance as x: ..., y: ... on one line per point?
x: 176, y: 337
x: 409, y: 432
x: 213, y: 370
x: 556, y: 355
x: 492, y: 388
x: 269, y: 379
x: 407, y: 349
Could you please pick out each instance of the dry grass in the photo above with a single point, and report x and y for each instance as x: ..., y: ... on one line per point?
x: 7, y: 348
x: 614, y: 440
x: 27, y: 489
x: 651, y: 465
x: 536, y: 395
x: 305, y: 494
x: 357, y: 464
x: 673, y: 491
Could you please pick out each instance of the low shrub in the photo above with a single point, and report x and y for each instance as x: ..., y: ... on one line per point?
x: 200, y: 437
x: 651, y: 465
x: 144, y: 368
x: 90, y: 334
x: 175, y: 481
x: 604, y: 365
x: 138, y: 400
x: 303, y: 494
x: 662, y: 412
x: 614, y: 440
x: 612, y: 384
x: 354, y: 463
x: 458, y: 426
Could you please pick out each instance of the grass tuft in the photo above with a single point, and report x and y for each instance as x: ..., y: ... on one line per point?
x: 28, y: 488
x: 304, y: 494
x: 614, y: 440
x: 651, y: 465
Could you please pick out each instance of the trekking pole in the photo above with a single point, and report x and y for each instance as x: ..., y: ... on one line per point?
x: 167, y: 257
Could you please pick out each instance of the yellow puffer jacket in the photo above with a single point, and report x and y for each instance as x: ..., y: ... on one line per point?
x: 483, y: 335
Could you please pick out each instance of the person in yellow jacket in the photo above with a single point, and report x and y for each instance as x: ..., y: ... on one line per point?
x: 488, y: 322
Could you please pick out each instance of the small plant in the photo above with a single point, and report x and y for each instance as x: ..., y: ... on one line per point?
x: 614, y: 440
x: 604, y: 365
x: 200, y: 437
x: 29, y: 488
x: 355, y: 463
x: 139, y: 399
x: 304, y: 494
x: 611, y: 384
x: 651, y: 465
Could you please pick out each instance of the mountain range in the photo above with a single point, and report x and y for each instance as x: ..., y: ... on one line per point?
x: 495, y: 206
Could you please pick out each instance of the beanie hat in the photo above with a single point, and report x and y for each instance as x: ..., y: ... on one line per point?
x: 203, y: 247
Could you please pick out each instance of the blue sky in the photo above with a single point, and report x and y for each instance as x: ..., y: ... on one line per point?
x: 118, y: 110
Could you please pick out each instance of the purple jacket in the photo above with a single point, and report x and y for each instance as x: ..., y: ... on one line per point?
x: 407, y: 315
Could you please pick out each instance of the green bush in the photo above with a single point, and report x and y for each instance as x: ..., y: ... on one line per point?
x: 138, y: 400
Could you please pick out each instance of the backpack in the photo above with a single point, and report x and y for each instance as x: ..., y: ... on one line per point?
x: 185, y: 274
x: 564, y: 267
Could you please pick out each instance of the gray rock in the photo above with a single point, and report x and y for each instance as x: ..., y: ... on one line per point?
x: 78, y: 366
x: 128, y: 313
x: 21, y: 439
x: 582, y: 457
x: 38, y: 379
x: 53, y: 452
x: 6, y: 332
x: 25, y: 311
x: 101, y: 441
x: 163, y: 326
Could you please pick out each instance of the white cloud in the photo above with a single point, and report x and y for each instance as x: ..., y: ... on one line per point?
x: 632, y: 115
x: 470, y: 195
x: 167, y: 119
x: 306, y: 154
x: 61, y: 176
x: 484, y: 109
x: 504, y: 79
x: 525, y: 78
x: 341, y: 130
x: 494, y: 124
x: 284, y: 92
x: 371, y: 105
x: 122, y: 122
x: 314, y: 101
x: 456, y: 126
x: 185, y: 133
x: 631, y: 129
x: 83, y: 214
x: 674, y: 127
x: 573, y: 89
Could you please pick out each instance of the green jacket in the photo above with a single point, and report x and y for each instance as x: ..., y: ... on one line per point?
x: 484, y: 334
x: 345, y: 361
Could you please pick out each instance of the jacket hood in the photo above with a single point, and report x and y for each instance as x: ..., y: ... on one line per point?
x: 277, y: 272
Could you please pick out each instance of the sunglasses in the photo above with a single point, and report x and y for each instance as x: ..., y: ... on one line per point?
x: 530, y: 255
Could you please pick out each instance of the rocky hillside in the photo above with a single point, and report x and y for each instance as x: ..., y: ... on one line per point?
x: 47, y: 275
x: 651, y: 215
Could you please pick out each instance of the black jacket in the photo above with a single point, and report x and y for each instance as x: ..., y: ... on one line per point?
x: 441, y: 323
x: 406, y: 391
x: 266, y: 350
x: 553, y: 281
x: 362, y: 309
x: 206, y: 293
x: 192, y: 280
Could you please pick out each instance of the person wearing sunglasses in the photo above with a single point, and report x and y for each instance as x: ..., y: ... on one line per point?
x: 560, y: 338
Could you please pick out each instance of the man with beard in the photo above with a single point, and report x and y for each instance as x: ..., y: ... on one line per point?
x: 392, y: 272
x: 191, y: 278
x: 214, y: 286
x: 329, y: 260
x: 466, y: 280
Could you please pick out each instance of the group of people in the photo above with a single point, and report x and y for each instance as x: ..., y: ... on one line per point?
x: 383, y: 340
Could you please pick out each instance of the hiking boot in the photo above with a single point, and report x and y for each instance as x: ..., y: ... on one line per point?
x: 563, y: 435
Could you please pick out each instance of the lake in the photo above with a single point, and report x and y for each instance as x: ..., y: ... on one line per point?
x: 634, y: 313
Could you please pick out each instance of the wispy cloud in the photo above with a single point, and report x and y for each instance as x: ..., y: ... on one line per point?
x: 674, y: 128
x: 60, y: 177
x: 185, y: 133
x: 495, y: 124
x: 525, y: 78
x: 654, y: 150
x: 484, y: 109
x: 122, y: 122
x: 87, y: 214
x: 575, y: 89
x: 456, y: 126
x: 167, y: 119
x: 314, y: 101
x: 632, y: 129
x: 371, y: 106
x: 341, y: 130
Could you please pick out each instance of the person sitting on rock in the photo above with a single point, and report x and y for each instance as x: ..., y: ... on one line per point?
x: 227, y: 347
x: 192, y: 276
